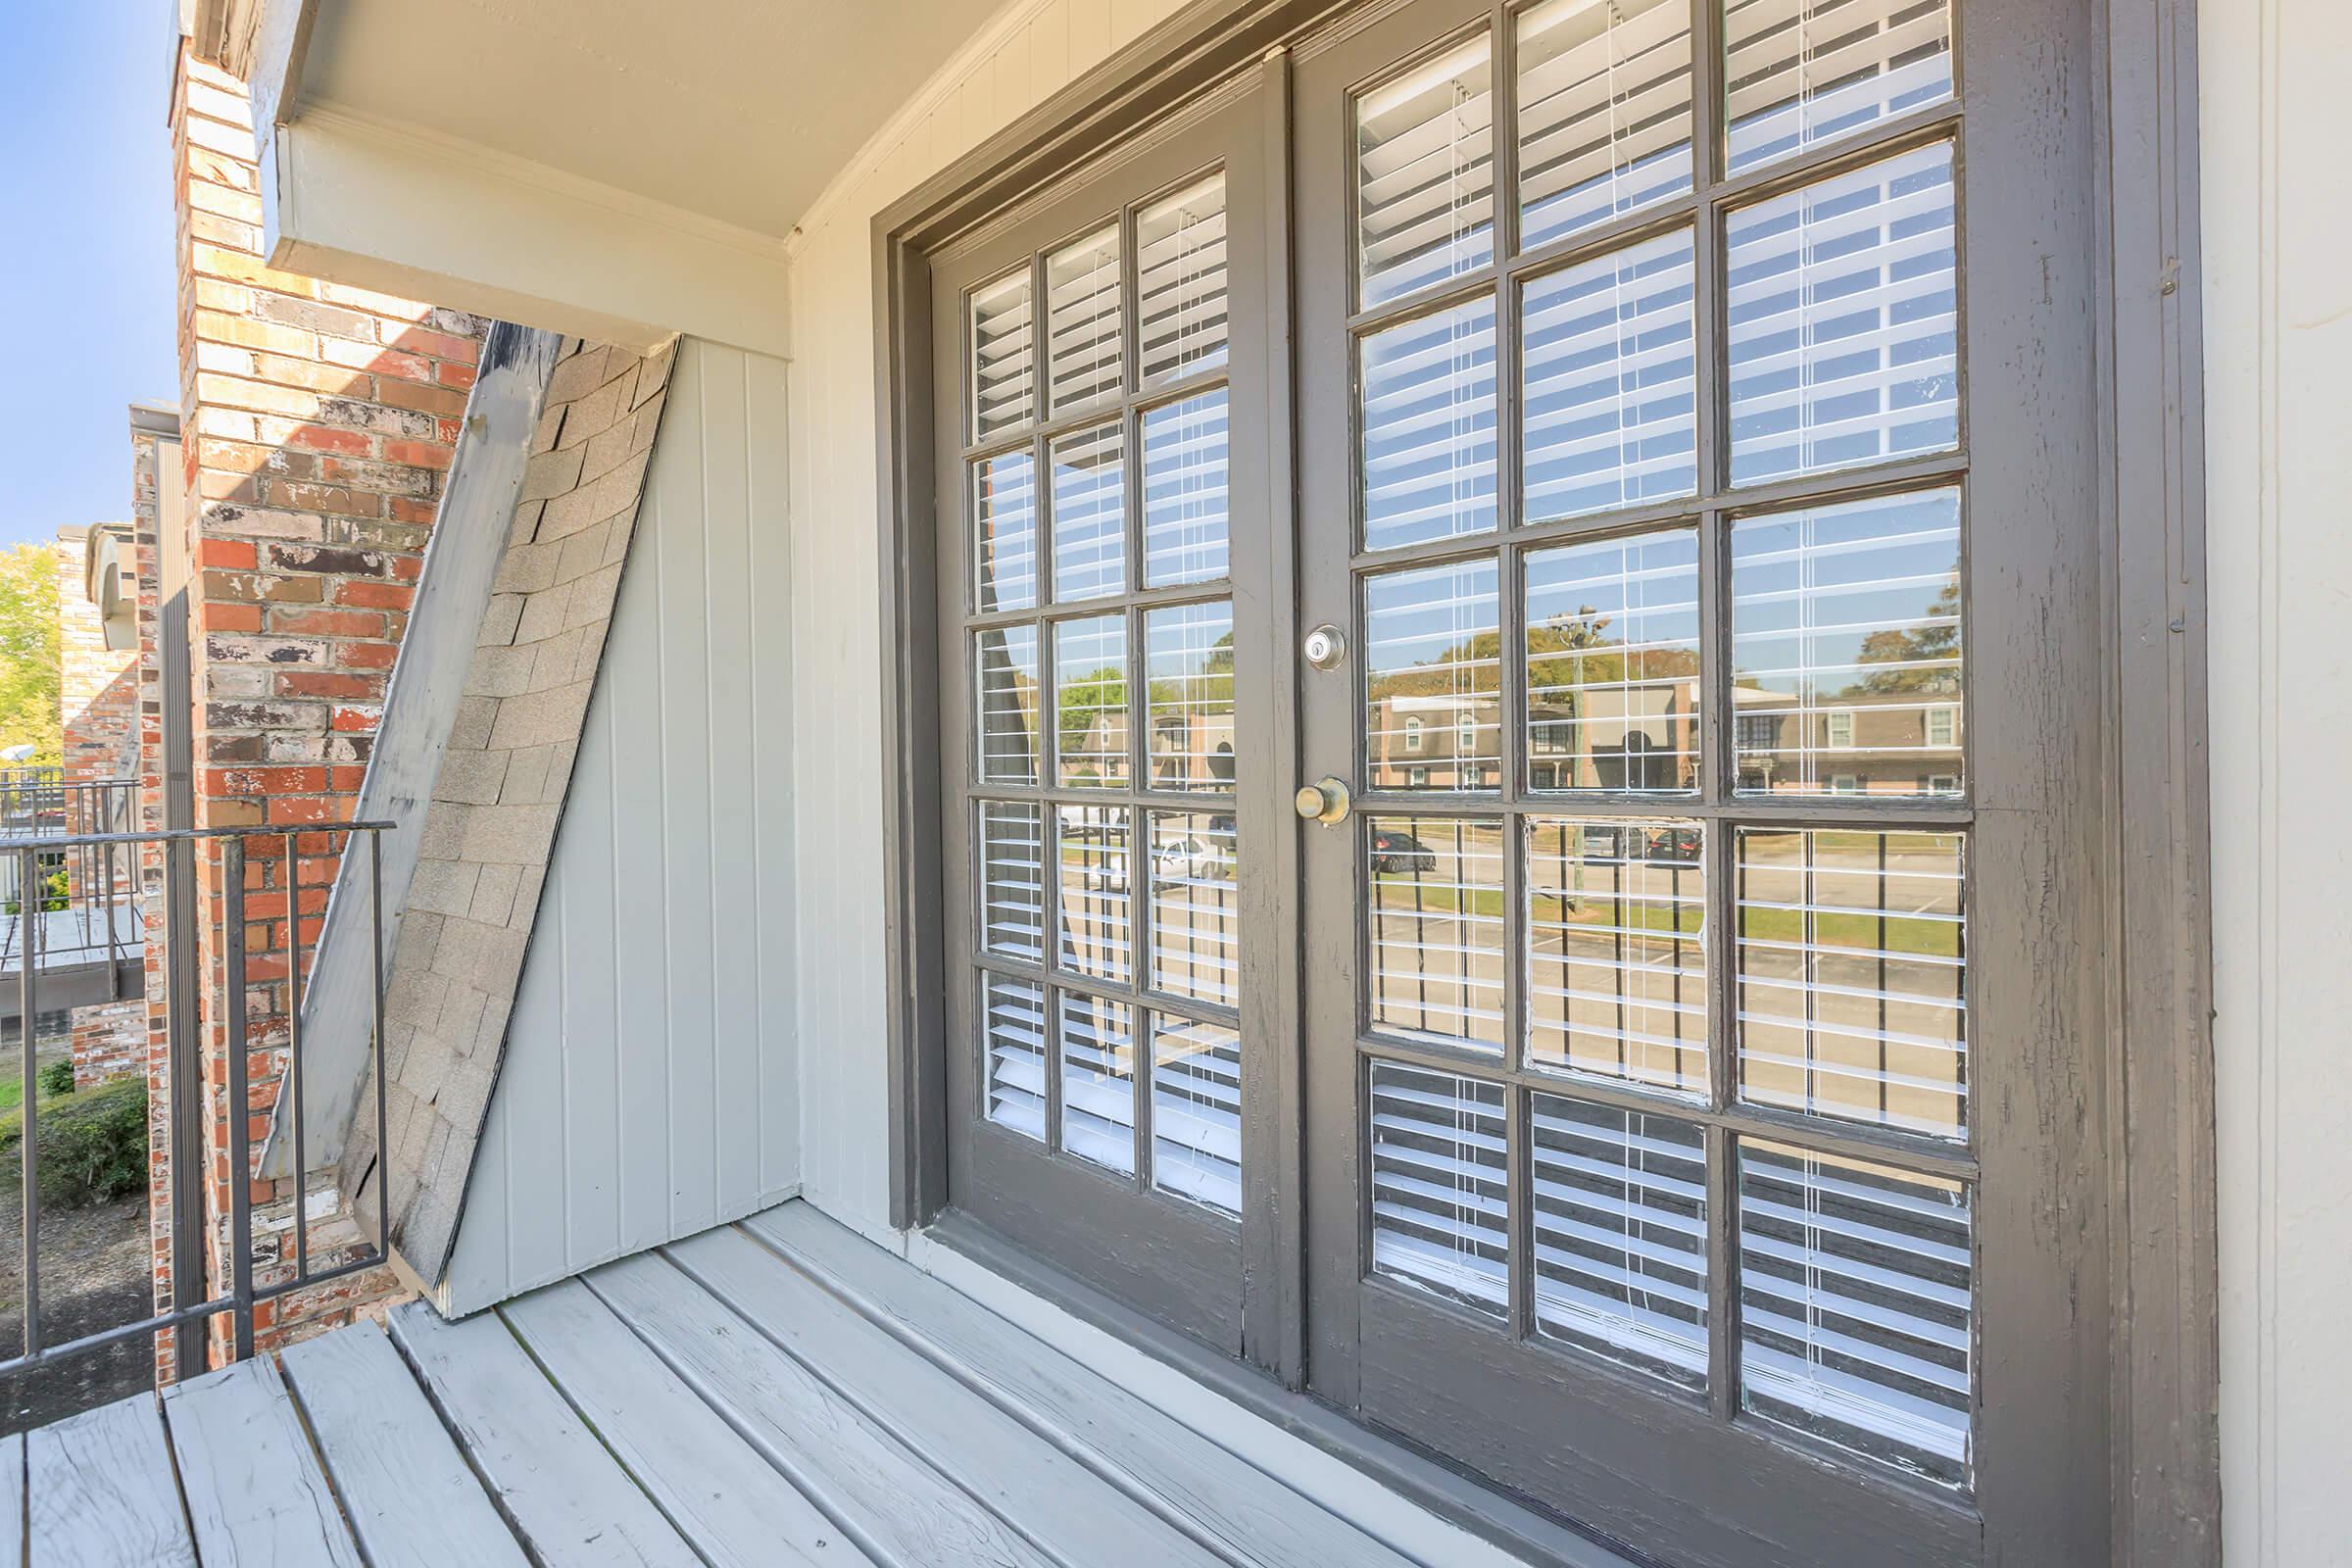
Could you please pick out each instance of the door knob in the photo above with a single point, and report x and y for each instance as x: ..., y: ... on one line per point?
x: 1323, y: 800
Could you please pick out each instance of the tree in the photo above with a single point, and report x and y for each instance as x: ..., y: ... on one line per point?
x: 1922, y: 659
x: 28, y: 672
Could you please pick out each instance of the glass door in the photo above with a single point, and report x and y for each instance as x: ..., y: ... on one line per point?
x: 1104, y: 549
x: 1646, y: 1172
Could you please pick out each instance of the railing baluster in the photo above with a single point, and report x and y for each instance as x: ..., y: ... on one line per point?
x: 29, y: 958
x: 376, y: 942
x: 302, y: 1188
x: 240, y: 1151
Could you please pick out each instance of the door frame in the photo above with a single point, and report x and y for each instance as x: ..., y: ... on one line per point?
x: 2136, y: 66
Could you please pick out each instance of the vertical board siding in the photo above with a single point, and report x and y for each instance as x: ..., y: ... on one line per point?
x: 1016, y: 62
x: 649, y: 1087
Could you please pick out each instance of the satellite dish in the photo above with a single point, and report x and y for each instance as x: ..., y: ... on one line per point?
x: 16, y: 754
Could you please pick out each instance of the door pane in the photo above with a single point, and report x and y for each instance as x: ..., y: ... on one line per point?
x: 1843, y: 320
x: 1004, y: 355
x: 1852, y: 976
x: 1436, y: 928
x: 1091, y: 858
x: 1180, y: 275
x: 1083, y: 322
x: 1620, y: 1236
x: 1004, y: 665
x: 1195, y: 907
x: 1845, y: 647
x: 1425, y: 175
x: 1090, y: 702
x: 1616, y: 959
x: 1188, y: 673
x: 1855, y: 1313
x: 1428, y: 428
x: 1098, y: 1081
x: 1432, y: 695
x: 1440, y: 1186
x: 1613, y: 686
x: 1800, y: 72
x: 1185, y: 530
x: 1609, y: 412
x: 1196, y: 1112
x: 1090, y: 513
x: 1012, y: 886
x: 1005, y: 518
x: 1013, y: 1032
x: 1604, y: 112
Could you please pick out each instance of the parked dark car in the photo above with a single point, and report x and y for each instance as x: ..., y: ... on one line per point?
x: 1394, y: 852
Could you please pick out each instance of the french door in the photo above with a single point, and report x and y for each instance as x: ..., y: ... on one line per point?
x: 1630, y: 814
x: 1675, y: 1084
x: 1103, y: 564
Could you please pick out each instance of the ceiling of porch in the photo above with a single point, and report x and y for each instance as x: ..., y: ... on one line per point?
x: 735, y: 109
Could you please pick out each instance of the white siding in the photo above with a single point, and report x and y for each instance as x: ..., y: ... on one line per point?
x: 2278, y: 225
x: 1023, y: 58
x: 648, y: 1089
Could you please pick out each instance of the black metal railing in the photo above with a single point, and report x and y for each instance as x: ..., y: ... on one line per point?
x: 85, y: 891
x: 231, y: 849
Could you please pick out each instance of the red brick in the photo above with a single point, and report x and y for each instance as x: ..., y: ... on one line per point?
x: 440, y: 345
x: 330, y: 622
x: 232, y: 554
x: 375, y: 594
x: 329, y: 683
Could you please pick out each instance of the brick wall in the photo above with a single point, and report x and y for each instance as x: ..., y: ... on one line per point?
x: 98, y: 686
x: 318, y: 423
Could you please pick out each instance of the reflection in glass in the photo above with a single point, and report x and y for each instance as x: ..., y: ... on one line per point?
x: 1090, y: 861
x: 1004, y: 667
x: 1425, y: 175
x: 1185, y: 528
x: 1852, y: 976
x: 1004, y: 357
x: 1012, y: 880
x: 1607, y: 408
x: 1801, y: 72
x: 1846, y: 648
x: 1098, y: 1080
x: 1612, y: 664
x: 1090, y: 702
x: 1843, y: 313
x: 1621, y: 1235
x: 1440, y: 1186
x: 1856, y: 1284
x: 1180, y: 275
x: 1436, y: 927
x: 1012, y: 1031
x: 1196, y: 1112
x: 1188, y: 673
x: 1004, y: 531
x: 1431, y: 679
x: 1082, y: 320
x: 1616, y: 960
x: 1195, y: 907
x: 1428, y: 428
x: 1090, y: 513
x: 1604, y: 111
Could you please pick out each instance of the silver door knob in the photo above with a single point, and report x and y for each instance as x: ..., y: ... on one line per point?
x: 1323, y: 800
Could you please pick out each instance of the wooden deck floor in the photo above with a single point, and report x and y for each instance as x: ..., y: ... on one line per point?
x: 772, y: 1392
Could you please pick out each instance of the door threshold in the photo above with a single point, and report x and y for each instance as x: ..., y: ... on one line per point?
x: 965, y: 1253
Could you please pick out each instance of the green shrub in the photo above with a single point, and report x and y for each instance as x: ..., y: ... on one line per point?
x: 93, y: 1147
x: 57, y: 1077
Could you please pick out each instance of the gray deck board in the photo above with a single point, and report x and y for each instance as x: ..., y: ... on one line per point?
x: 900, y: 1510
x: 254, y: 1491
x: 406, y: 1488
x: 779, y: 1391
x: 12, y: 1499
x: 1140, y: 1445
x: 733, y: 1505
x: 99, y: 1491
x: 1071, y: 1509
x: 567, y: 1495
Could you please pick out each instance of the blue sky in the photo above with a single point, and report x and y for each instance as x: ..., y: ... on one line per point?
x: 86, y: 276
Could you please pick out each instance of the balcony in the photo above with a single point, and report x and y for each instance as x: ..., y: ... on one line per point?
x: 87, y: 930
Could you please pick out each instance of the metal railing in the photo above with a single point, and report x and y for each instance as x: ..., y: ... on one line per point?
x: 100, y: 916
x: 232, y: 849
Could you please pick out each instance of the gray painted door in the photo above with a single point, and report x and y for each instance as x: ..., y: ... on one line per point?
x: 1107, y: 716
x: 1690, y: 1031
